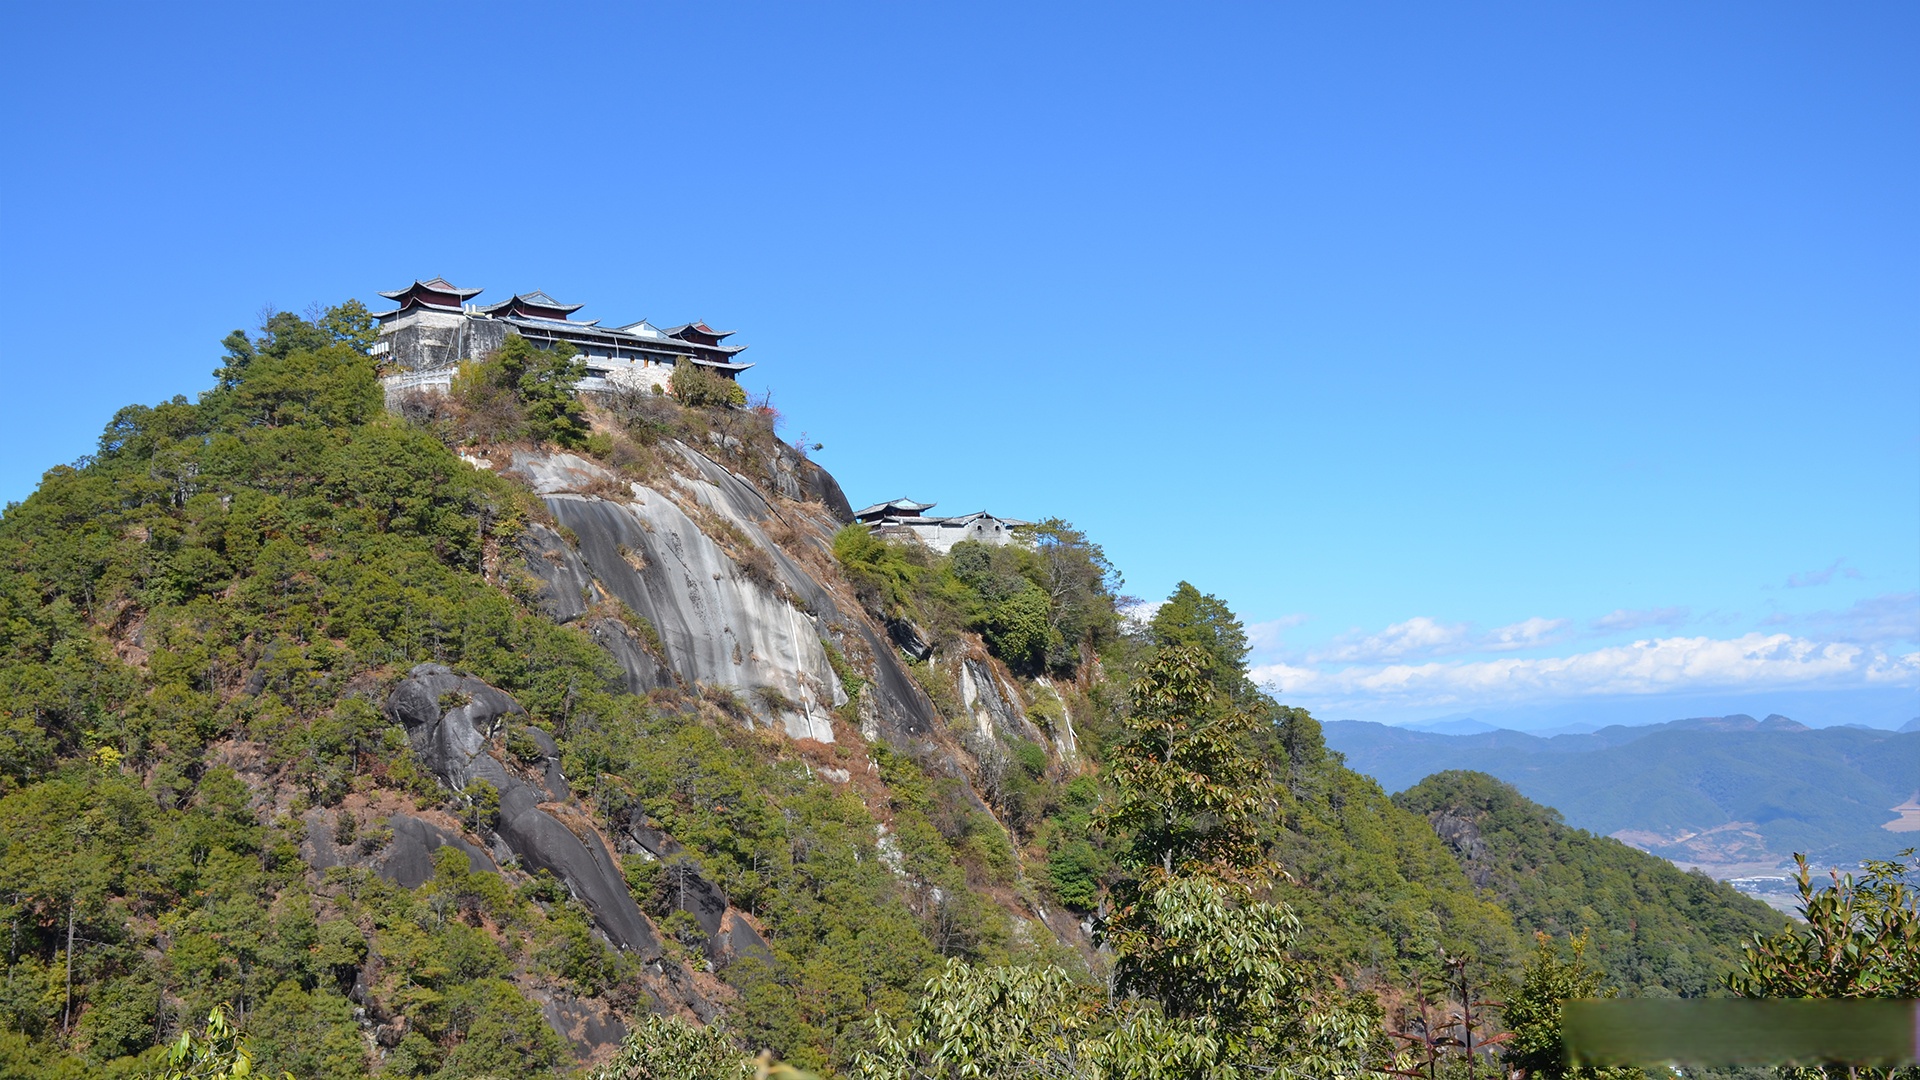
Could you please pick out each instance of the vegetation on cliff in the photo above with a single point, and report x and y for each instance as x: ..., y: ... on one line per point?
x: 199, y: 625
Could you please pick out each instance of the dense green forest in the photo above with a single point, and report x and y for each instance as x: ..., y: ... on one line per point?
x: 200, y: 622
x: 1653, y: 927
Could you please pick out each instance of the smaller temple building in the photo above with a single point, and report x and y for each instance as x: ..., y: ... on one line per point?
x: 904, y: 517
x: 434, y: 327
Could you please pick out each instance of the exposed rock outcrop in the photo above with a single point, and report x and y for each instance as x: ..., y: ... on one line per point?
x: 451, y: 720
x: 566, y: 586
x: 405, y: 857
x: 729, y: 934
x: 750, y: 618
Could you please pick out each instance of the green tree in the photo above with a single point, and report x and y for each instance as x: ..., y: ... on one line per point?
x: 699, y: 388
x: 1190, y: 798
x: 1552, y: 977
x: 991, y: 1022
x: 669, y: 1048
x: 1197, y: 620
x: 1081, y: 587
x: 542, y: 380
x: 1188, y: 931
x: 219, y: 1052
x: 1860, y: 938
x: 885, y: 574
x: 1020, y: 631
x: 350, y: 324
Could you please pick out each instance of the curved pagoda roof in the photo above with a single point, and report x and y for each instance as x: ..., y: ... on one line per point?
x: 432, y: 293
x: 697, y: 332
x: 894, y: 508
x: 533, y: 305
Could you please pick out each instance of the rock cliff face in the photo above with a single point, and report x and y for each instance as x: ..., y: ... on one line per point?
x: 746, y: 616
x: 452, y: 722
x: 703, y: 582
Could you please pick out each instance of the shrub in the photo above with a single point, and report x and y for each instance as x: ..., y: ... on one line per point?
x: 1018, y: 629
x: 695, y: 386
x: 1071, y: 874
x: 483, y: 800
x: 523, y: 391
x: 883, y: 573
x: 522, y: 745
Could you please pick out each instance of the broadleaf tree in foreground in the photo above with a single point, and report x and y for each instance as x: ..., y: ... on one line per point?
x: 1204, y: 984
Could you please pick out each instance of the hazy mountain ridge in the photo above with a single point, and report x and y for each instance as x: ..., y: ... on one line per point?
x: 1730, y: 793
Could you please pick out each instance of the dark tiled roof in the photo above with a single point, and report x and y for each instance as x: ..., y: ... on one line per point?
x: 698, y: 328
x: 895, y: 504
x: 622, y: 337
x: 533, y: 299
x: 438, y: 285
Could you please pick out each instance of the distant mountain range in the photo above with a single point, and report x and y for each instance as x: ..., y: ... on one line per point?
x: 1730, y: 794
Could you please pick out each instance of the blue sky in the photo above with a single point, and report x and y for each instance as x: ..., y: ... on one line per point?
x: 1539, y: 361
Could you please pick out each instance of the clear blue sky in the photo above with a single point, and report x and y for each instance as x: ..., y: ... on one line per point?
x: 1458, y: 348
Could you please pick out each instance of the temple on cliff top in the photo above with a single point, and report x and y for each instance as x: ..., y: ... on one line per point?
x: 435, y: 326
x: 904, y: 518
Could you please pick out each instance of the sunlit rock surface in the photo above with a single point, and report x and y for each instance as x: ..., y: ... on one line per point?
x: 717, y: 623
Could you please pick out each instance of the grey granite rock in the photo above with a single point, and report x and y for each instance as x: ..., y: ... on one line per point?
x: 450, y: 719
x: 565, y: 584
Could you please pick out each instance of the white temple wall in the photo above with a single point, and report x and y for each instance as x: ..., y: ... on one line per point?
x: 625, y: 374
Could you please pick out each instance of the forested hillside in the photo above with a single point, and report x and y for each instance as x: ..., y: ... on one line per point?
x: 1654, y: 928
x: 461, y: 740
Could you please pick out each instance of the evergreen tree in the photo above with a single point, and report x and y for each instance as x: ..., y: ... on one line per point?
x: 1552, y: 977
x: 1197, y: 620
x: 1191, y: 799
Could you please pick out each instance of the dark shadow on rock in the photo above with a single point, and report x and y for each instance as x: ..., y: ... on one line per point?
x: 454, y: 744
x: 906, y: 715
x: 909, y: 638
x: 687, y: 888
x: 406, y: 859
x: 587, y: 1025
x: 641, y: 670
x: 565, y: 583
x: 822, y: 488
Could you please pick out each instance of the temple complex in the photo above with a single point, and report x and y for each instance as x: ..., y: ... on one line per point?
x: 904, y: 517
x: 434, y: 326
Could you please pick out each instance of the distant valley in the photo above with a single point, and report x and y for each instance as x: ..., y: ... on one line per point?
x: 1731, y: 795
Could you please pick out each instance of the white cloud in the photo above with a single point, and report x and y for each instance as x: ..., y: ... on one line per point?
x: 1621, y: 620
x: 1136, y: 618
x: 1809, y: 578
x: 1265, y: 637
x: 1418, y: 636
x: 1421, y: 636
x: 1527, y: 634
x: 1751, y: 662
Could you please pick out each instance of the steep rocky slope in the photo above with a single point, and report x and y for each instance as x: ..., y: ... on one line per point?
x: 515, y: 731
x: 433, y: 748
